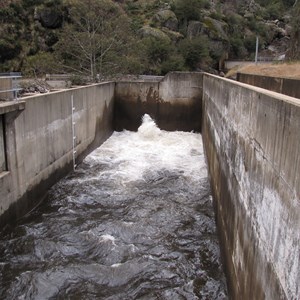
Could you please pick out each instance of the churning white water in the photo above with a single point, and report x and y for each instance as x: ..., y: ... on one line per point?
x: 149, y: 152
x: 134, y: 221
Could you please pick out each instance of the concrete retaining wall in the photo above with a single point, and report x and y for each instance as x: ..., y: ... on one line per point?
x: 39, y: 142
x: 230, y: 64
x: 252, y: 142
x: 174, y: 102
x: 285, y: 86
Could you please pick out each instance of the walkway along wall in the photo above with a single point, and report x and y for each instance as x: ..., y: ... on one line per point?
x: 252, y: 143
x: 39, y: 142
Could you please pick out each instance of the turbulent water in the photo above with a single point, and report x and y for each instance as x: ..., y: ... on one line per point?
x: 134, y: 221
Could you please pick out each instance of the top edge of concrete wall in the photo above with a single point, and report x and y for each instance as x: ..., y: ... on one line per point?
x: 158, y: 79
x: 268, y: 76
x: 65, y: 90
x: 282, y: 85
x: 275, y: 95
x: 138, y: 81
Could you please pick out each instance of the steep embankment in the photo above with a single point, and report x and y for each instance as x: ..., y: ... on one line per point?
x: 38, y: 37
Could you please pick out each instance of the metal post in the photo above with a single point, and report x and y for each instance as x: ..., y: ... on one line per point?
x: 14, y: 87
x: 73, y: 134
x: 256, y: 51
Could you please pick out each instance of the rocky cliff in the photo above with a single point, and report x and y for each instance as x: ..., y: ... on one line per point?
x: 170, y: 34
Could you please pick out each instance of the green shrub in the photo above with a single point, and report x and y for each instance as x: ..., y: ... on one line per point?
x: 132, y: 8
x: 274, y: 10
x: 187, y: 10
x: 78, y: 80
x: 217, y: 16
x: 283, y: 3
x: 236, y: 45
x: 9, y: 49
x: 40, y: 64
x: 250, y: 43
x: 173, y: 63
x: 136, y: 23
x: 31, y: 3
x: 157, y: 50
x: 194, y: 51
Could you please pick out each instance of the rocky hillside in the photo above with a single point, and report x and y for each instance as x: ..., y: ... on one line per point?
x: 101, y: 38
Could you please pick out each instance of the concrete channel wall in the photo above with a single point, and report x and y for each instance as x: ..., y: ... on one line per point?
x: 39, y: 142
x: 174, y: 102
x: 36, y: 134
x: 252, y: 143
x: 287, y: 86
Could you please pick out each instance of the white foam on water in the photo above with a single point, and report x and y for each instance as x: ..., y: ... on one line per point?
x: 148, y: 129
x: 134, y: 153
x: 108, y: 238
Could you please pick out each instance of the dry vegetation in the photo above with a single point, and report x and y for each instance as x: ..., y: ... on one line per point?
x: 287, y: 70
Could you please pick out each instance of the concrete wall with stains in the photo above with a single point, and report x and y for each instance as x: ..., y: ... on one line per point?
x: 39, y: 143
x: 252, y: 143
x: 287, y: 86
x: 174, y: 102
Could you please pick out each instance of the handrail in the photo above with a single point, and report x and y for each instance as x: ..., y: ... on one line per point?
x: 13, y: 77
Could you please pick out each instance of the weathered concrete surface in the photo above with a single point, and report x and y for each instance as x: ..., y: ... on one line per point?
x: 132, y: 101
x: 174, y: 102
x: 39, y: 142
x: 11, y: 106
x: 8, y: 109
x: 252, y: 142
x: 287, y: 86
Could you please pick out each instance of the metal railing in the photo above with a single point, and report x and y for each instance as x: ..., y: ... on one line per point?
x: 270, y: 58
x: 58, y: 76
x: 11, y: 85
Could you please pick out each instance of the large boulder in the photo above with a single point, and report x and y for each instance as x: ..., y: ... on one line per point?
x: 147, y: 31
x: 212, y: 28
x: 195, y: 28
x: 48, y: 17
x: 173, y: 35
x: 166, y: 18
x: 275, y: 30
x: 217, y: 30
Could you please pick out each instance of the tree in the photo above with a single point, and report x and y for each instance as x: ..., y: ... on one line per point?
x: 40, y: 64
x: 95, y: 39
x: 187, y: 10
x: 160, y: 56
x: 9, y: 48
x: 194, y: 51
x: 294, y: 50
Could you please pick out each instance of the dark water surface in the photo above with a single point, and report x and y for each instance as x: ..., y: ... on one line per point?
x: 134, y: 221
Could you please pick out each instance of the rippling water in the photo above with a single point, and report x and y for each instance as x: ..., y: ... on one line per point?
x: 134, y: 221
